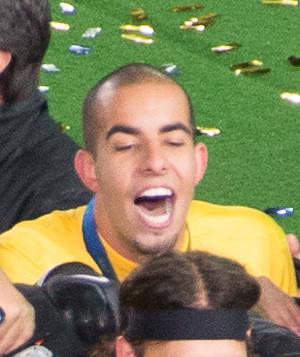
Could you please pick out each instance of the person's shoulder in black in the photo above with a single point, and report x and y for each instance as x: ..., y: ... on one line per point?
x: 36, y: 158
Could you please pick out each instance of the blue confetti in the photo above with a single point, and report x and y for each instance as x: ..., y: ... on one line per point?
x: 280, y: 211
x: 80, y: 50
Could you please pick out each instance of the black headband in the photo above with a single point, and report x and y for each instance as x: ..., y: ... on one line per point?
x: 187, y: 324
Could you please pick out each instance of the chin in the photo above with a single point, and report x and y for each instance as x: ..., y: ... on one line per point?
x: 156, y: 247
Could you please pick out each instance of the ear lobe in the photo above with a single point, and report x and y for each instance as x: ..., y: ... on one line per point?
x: 5, y: 58
x: 85, y: 168
x: 201, y: 156
x: 123, y: 348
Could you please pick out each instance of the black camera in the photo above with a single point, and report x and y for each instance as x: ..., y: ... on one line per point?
x: 74, y: 308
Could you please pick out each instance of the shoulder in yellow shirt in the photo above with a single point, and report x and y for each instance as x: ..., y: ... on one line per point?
x: 244, y: 234
x: 31, y: 248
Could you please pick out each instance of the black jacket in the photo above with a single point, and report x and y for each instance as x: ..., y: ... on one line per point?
x: 37, y: 172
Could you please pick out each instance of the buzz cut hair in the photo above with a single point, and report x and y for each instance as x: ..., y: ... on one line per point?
x: 128, y: 74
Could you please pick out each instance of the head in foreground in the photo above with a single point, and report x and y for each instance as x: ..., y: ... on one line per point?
x: 190, y: 304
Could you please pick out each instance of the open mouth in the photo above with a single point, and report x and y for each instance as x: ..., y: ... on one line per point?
x: 156, y: 205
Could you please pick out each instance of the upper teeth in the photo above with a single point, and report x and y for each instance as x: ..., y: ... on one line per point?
x: 160, y: 191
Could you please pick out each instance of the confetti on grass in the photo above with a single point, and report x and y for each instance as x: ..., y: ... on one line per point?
x: 280, y: 211
x: 210, y: 132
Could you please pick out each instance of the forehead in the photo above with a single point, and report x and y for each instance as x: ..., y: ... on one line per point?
x: 197, y: 348
x: 144, y: 104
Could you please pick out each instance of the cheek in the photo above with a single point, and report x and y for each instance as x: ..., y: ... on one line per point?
x: 194, y: 171
x: 186, y: 169
x: 112, y: 179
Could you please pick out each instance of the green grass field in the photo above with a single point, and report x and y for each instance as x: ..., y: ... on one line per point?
x: 255, y: 161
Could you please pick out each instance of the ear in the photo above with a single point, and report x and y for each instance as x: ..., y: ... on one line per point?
x: 5, y: 58
x: 85, y: 168
x: 248, y: 333
x: 123, y: 348
x: 201, y: 156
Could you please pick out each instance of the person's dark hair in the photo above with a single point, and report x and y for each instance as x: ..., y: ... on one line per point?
x: 129, y: 74
x: 189, y: 280
x: 195, y: 279
x: 171, y: 281
x: 25, y: 33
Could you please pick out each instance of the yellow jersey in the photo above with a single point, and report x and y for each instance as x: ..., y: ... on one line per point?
x: 243, y: 234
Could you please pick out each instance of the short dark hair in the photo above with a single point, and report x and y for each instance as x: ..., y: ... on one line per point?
x: 132, y: 73
x: 25, y: 33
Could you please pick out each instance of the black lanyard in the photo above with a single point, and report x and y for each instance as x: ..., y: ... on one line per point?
x: 93, y: 243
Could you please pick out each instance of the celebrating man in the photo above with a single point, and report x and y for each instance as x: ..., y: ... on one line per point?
x: 142, y: 163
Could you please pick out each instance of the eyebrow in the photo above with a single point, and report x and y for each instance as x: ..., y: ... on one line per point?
x: 178, y: 126
x: 122, y: 129
x: 134, y: 131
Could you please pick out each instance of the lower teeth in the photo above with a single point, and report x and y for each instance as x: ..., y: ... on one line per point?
x: 163, y: 217
x: 158, y: 219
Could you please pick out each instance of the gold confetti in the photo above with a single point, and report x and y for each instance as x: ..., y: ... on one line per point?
x: 207, y: 17
x: 250, y: 71
x: 206, y: 20
x: 187, y: 7
x: 59, y: 26
x: 145, y: 30
x: 249, y: 64
x: 137, y: 39
x: 199, y: 23
x: 64, y: 128
x: 43, y: 89
x: 195, y: 22
x: 198, y: 28
x: 210, y: 132
x: 293, y: 98
x: 138, y: 14
x: 280, y: 2
x: 226, y: 47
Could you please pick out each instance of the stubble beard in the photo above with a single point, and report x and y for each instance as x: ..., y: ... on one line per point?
x: 154, y: 250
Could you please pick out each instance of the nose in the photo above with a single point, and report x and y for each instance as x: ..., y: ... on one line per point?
x: 153, y: 160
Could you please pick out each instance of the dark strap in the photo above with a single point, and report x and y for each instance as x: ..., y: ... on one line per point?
x: 187, y: 324
x: 93, y: 242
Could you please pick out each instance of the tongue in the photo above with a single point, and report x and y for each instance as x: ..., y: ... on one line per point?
x: 154, y: 207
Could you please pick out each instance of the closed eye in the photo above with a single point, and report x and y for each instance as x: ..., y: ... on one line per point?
x: 175, y: 143
x: 124, y: 147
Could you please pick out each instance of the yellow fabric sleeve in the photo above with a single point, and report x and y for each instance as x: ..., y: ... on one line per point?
x: 246, y: 235
x: 32, y: 248
x: 252, y: 238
